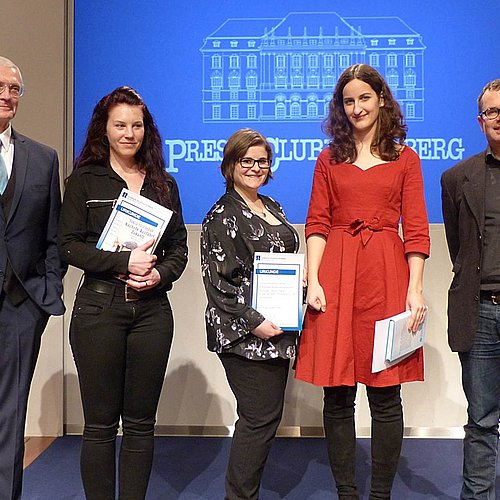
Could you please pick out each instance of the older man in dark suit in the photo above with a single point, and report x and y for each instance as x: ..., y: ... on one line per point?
x: 30, y: 270
x: 471, y: 210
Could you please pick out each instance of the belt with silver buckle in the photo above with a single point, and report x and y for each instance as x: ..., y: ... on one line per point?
x: 114, y: 289
x: 492, y: 296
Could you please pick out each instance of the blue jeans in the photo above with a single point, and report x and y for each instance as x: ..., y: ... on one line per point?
x: 481, y: 383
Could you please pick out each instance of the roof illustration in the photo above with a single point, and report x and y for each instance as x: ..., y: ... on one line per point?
x: 313, y: 24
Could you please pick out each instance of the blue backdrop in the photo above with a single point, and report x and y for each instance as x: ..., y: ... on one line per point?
x: 208, y: 69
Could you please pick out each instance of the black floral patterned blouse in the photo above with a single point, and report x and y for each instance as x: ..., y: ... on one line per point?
x: 231, y: 234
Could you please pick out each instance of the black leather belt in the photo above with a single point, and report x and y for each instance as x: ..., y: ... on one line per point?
x: 492, y: 296
x: 121, y: 290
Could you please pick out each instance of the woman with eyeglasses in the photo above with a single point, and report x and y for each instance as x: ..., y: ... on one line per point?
x: 254, y: 352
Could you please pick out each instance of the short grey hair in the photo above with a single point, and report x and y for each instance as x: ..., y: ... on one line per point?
x: 7, y: 63
x: 492, y: 86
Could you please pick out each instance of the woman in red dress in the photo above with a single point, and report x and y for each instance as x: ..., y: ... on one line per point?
x: 360, y: 271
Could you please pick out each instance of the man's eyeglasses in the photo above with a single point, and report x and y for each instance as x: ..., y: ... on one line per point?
x: 263, y: 163
x: 490, y: 113
x: 14, y: 89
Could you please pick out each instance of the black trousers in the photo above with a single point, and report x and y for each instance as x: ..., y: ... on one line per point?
x: 387, y: 437
x: 121, y: 351
x: 21, y: 329
x: 259, y: 389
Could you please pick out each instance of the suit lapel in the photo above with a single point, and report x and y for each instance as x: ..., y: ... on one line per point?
x: 474, y: 192
x: 20, y: 164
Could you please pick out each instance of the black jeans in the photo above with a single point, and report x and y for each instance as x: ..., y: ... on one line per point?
x: 121, y: 351
x: 259, y: 389
x: 387, y: 437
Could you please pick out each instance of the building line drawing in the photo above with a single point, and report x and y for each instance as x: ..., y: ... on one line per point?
x: 285, y: 69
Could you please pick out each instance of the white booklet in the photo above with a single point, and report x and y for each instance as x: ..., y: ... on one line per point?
x: 277, y: 288
x: 133, y: 221
x: 393, y: 341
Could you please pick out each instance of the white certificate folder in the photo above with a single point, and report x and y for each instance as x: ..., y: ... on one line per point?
x: 133, y: 221
x: 393, y: 341
x: 277, y: 288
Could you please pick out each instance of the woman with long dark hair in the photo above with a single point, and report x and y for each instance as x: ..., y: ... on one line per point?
x: 121, y: 326
x: 361, y: 271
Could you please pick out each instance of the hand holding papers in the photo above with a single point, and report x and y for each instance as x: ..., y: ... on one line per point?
x: 133, y: 221
x: 393, y: 342
x: 277, y: 288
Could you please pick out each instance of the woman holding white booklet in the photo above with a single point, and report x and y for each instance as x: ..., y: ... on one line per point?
x: 360, y: 271
x: 121, y: 326
x: 254, y: 351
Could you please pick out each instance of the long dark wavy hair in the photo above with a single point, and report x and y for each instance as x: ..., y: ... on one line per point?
x: 391, y: 127
x: 150, y: 155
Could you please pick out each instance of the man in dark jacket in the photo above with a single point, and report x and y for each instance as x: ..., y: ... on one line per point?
x: 471, y: 211
x: 30, y: 270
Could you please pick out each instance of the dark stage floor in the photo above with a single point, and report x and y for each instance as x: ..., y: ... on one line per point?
x: 192, y: 468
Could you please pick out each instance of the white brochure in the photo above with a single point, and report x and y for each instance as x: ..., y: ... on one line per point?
x: 277, y: 288
x: 133, y: 221
x: 393, y: 341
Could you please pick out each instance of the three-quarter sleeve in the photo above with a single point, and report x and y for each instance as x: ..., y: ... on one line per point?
x: 413, y: 212
x: 319, y: 217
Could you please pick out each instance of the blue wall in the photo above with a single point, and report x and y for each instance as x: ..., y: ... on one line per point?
x: 206, y: 69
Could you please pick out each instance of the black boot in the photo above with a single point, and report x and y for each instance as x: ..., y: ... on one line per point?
x: 340, y: 433
x: 387, y: 438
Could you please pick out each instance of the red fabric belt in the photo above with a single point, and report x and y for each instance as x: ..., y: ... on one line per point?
x: 365, y: 228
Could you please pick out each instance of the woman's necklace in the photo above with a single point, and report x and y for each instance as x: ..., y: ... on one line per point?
x: 254, y: 208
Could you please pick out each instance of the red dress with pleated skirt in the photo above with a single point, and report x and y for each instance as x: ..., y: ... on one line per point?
x: 363, y: 272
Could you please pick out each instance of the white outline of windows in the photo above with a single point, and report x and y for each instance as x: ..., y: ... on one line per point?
x: 312, y: 61
x: 251, y: 80
x: 328, y: 61
x: 280, y: 61
x: 216, y: 61
x: 297, y: 80
x: 344, y: 61
x: 234, y: 61
x: 410, y: 110
x: 375, y: 60
x: 280, y: 111
x: 280, y: 80
x: 312, y: 109
x: 410, y: 78
x: 410, y: 60
x: 313, y: 81
x: 252, y: 61
x: 216, y: 81
x: 392, y: 60
x: 252, y: 111
x: 234, y: 80
x: 392, y: 78
x: 295, y: 107
x: 328, y: 80
x: 216, y: 111
x: 234, y: 112
x: 296, y: 61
